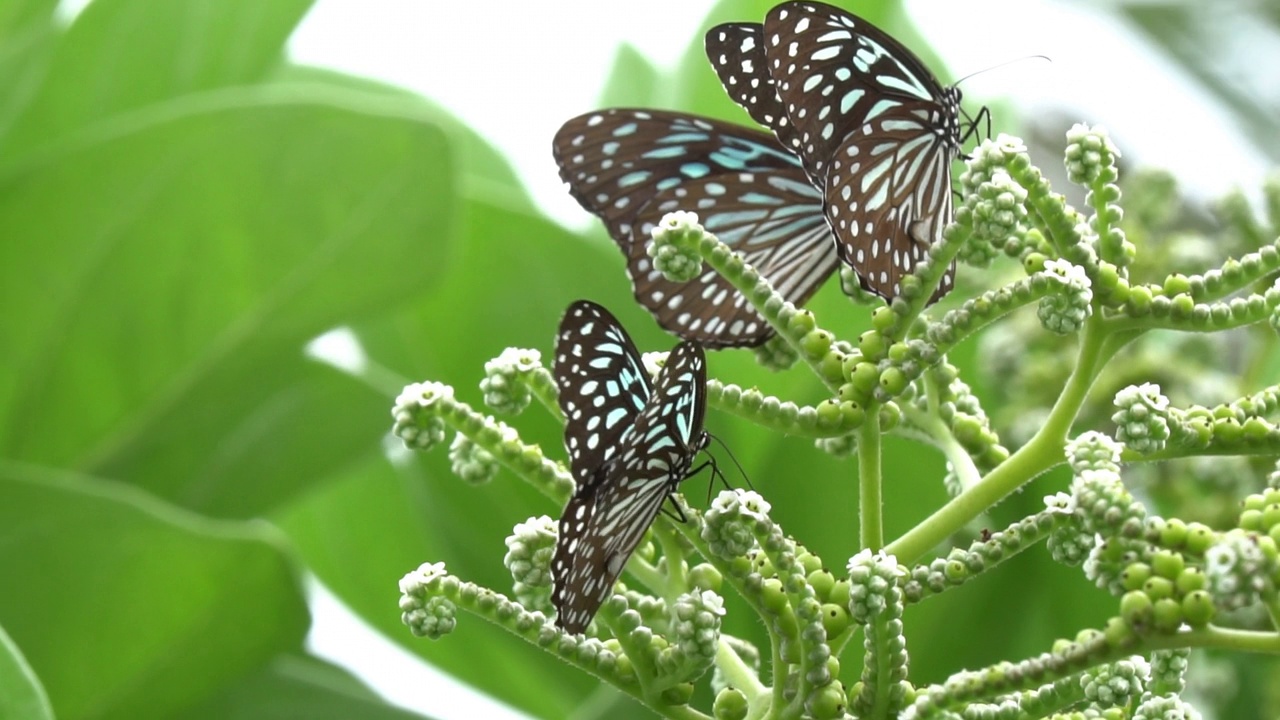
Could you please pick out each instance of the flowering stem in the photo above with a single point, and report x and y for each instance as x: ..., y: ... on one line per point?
x: 494, y: 608
x: 762, y: 296
x: 939, y: 434
x: 543, y: 386
x: 692, y: 532
x: 876, y: 683
x: 871, y: 520
x: 1042, y: 452
x: 773, y: 414
x: 526, y: 461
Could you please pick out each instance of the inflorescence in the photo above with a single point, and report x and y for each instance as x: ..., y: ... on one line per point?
x: 661, y: 631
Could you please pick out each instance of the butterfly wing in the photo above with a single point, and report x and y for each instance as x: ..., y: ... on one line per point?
x: 736, y: 52
x: 835, y: 72
x: 770, y: 219
x: 877, y: 127
x: 605, y: 520
x: 603, y: 386
x: 889, y: 198
x: 630, y: 167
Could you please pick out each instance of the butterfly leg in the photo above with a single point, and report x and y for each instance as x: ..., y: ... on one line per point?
x: 678, y: 515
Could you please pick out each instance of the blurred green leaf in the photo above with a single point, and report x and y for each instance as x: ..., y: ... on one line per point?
x: 22, y: 697
x: 28, y: 37
x: 121, y: 56
x: 633, y: 82
x: 126, y: 607
x: 360, y: 535
x: 299, y: 686
x: 204, y: 251
x: 478, y: 169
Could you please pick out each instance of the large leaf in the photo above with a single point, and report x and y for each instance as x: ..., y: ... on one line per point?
x: 21, y: 694
x: 127, y: 55
x: 298, y: 686
x: 165, y: 317
x: 28, y: 37
x: 126, y: 607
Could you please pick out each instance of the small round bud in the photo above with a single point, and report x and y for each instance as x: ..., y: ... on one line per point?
x: 1197, y: 608
x: 730, y: 704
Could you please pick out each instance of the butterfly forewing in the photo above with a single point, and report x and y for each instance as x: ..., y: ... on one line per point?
x: 736, y: 52
x: 835, y: 72
x: 607, y: 517
x: 603, y: 386
x: 630, y: 167
x: 878, y: 130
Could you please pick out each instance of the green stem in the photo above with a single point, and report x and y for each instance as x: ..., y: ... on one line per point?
x: 1273, y: 609
x: 739, y: 675
x: 645, y: 572
x: 1213, y: 636
x: 871, y: 512
x: 676, y: 582
x: 938, y: 433
x: 779, y: 672
x: 1039, y: 454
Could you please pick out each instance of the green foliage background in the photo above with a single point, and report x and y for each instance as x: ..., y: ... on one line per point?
x: 184, y: 210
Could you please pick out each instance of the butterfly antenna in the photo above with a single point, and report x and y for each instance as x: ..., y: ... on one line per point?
x: 736, y: 464
x: 997, y: 66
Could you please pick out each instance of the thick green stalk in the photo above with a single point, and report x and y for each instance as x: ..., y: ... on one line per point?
x: 1041, y: 453
x: 870, y: 485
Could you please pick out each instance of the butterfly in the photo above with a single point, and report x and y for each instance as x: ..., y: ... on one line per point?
x: 630, y: 444
x: 630, y: 167
x: 871, y: 124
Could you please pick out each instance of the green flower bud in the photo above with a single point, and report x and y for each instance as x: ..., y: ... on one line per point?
x: 730, y: 704
x: 1197, y: 608
x: 776, y: 354
x: 826, y: 703
x: 1167, y: 617
x: 416, y: 413
x: 1137, y: 609
x: 1165, y: 707
x: 674, y: 247
x: 1142, y: 418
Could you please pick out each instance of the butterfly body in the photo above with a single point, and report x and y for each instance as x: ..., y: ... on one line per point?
x: 630, y: 444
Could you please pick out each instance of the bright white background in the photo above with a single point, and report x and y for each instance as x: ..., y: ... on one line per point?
x: 515, y: 70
